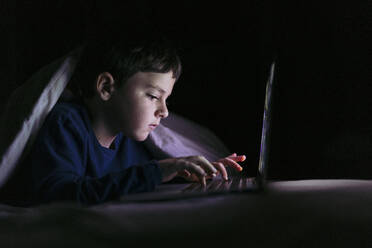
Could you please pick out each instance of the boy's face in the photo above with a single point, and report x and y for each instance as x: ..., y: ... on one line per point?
x: 140, y: 103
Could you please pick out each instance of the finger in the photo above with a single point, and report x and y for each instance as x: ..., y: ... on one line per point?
x: 205, y: 164
x: 203, y: 181
x: 197, y: 170
x: 239, y: 158
x: 194, y: 178
x: 190, y: 177
x: 221, y: 168
x: 184, y: 174
x: 232, y: 163
x: 211, y: 176
x: 232, y: 155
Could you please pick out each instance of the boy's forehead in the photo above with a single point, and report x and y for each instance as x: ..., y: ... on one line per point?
x: 162, y: 82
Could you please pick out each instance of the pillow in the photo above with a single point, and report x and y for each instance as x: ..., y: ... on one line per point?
x: 177, y: 136
x: 27, y: 109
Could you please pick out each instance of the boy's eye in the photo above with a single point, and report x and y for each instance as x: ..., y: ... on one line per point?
x: 152, y: 97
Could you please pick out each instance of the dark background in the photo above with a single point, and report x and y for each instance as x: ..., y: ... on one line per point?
x: 322, y: 104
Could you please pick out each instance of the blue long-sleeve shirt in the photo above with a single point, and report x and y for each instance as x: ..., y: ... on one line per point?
x: 67, y: 162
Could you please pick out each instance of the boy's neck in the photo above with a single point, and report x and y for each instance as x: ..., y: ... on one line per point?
x: 103, y: 138
x: 100, y: 128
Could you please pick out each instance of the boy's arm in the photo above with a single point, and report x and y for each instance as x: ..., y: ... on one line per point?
x: 89, y: 190
x: 58, y: 171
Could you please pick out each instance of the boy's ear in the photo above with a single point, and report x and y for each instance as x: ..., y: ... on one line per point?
x: 105, y: 85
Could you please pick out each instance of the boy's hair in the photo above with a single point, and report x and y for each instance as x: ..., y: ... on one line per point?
x: 122, y: 57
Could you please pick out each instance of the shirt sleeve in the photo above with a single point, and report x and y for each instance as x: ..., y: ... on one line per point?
x: 59, y: 174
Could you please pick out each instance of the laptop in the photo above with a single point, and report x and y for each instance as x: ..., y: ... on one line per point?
x: 237, y: 182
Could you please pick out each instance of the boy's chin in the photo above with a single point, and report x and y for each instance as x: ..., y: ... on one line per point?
x: 141, y: 137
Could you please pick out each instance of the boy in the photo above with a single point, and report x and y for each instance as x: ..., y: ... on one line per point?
x: 89, y: 150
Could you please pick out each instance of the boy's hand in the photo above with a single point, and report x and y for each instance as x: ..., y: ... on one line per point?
x: 232, y: 161
x: 198, y: 168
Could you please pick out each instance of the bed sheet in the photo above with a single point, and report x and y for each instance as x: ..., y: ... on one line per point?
x: 303, y: 213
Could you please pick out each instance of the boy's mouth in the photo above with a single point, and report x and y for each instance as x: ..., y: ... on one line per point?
x: 153, y: 126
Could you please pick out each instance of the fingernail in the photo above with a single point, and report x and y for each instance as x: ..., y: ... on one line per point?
x: 226, y: 178
x: 243, y: 158
x: 240, y: 168
x: 214, y: 175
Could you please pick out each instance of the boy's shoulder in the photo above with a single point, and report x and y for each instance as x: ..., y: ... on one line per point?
x: 69, y: 111
x: 67, y: 107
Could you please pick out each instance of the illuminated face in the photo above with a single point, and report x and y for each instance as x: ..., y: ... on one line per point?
x: 140, y: 104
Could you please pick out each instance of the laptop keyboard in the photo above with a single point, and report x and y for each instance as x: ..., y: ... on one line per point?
x: 220, y: 185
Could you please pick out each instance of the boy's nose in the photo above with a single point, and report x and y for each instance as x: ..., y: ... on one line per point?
x: 162, y: 112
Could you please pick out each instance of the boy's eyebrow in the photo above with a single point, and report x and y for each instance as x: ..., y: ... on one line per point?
x: 155, y: 87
